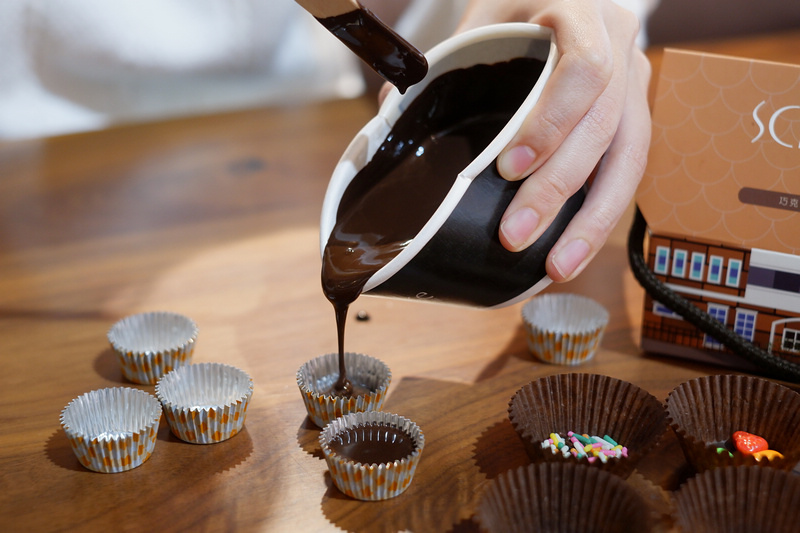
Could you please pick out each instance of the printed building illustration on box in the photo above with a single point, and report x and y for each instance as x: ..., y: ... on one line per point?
x: 721, y: 196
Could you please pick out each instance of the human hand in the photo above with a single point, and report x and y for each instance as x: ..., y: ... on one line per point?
x: 593, y: 113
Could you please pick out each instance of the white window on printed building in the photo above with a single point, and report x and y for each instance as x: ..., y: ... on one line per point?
x: 715, y: 269
x: 745, y: 323
x: 662, y: 310
x: 697, y: 266
x: 661, y: 265
x: 720, y: 312
x: 791, y: 340
x: 679, y: 263
x: 734, y: 272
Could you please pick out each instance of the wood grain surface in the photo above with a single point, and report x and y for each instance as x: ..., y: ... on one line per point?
x: 216, y: 217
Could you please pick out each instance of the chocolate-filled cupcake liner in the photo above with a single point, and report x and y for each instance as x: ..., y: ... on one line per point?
x: 112, y: 430
x: 317, y: 377
x: 374, y: 481
x: 205, y: 402
x: 739, y: 499
x: 564, y: 329
x: 556, y: 497
x: 149, y: 345
x: 590, y: 404
x: 705, y: 412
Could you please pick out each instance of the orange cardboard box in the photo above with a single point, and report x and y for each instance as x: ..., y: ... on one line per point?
x: 721, y: 197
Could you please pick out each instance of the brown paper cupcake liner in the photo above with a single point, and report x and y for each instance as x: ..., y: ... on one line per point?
x: 588, y: 404
x: 563, y: 328
x: 316, y: 377
x: 739, y: 499
x: 374, y: 481
x: 112, y: 430
x: 205, y: 402
x: 149, y: 345
x: 706, y: 411
x: 561, y: 497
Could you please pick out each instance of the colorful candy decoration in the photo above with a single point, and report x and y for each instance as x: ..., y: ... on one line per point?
x: 768, y: 455
x: 721, y: 450
x: 582, y: 446
x: 748, y: 444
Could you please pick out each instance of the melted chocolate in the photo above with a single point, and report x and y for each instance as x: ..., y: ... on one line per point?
x: 373, y: 444
x: 379, y: 46
x: 389, y: 201
x: 346, y: 387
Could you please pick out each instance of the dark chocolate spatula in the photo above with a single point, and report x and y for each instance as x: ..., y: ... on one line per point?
x: 378, y: 45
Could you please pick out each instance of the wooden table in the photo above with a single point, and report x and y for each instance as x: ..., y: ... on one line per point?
x: 217, y: 218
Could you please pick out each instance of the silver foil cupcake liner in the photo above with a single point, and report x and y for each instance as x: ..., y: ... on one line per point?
x: 374, y: 481
x: 205, y: 402
x: 112, y: 430
x: 317, y: 377
x: 149, y: 345
x: 564, y: 329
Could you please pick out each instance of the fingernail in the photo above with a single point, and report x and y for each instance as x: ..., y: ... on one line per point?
x: 515, y: 162
x: 568, y: 258
x: 519, y: 226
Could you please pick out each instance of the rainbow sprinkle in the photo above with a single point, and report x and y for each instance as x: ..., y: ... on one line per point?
x: 582, y: 446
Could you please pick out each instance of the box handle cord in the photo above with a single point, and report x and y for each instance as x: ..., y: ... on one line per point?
x: 772, y: 365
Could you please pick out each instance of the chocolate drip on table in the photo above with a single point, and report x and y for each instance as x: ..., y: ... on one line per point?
x: 379, y: 46
x: 389, y: 200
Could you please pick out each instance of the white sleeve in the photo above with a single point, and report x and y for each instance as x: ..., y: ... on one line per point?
x: 76, y: 65
x: 642, y: 9
x: 426, y: 23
